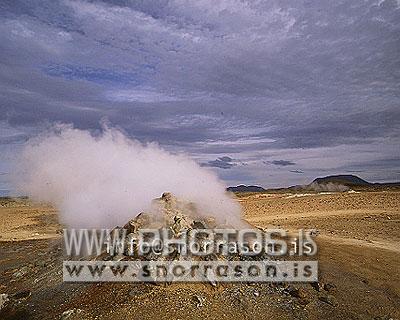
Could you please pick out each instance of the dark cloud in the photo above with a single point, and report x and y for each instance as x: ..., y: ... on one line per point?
x: 297, y: 171
x: 222, y: 163
x: 281, y: 163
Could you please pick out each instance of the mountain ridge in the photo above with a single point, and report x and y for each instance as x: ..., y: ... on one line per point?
x: 340, y: 182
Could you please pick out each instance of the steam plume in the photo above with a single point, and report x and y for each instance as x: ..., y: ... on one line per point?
x: 104, y: 181
x: 329, y: 187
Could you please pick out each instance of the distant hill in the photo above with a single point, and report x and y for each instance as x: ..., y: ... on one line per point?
x: 243, y: 188
x: 346, y: 180
x: 334, y: 183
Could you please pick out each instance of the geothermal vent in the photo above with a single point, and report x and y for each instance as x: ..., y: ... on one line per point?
x: 177, y: 218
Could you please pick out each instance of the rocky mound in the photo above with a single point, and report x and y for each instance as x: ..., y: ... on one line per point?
x: 177, y: 217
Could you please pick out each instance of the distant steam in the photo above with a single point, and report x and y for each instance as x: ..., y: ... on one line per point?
x: 104, y: 181
x: 328, y: 187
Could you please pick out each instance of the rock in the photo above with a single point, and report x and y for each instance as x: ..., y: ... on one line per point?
x: 180, y: 223
x: 3, y: 300
x: 177, y: 214
x: 142, y: 219
x: 256, y: 293
x: 387, y: 317
x: 69, y: 313
x: 167, y: 197
x: 304, y: 301
x: 199, y: 300
x: 328, y: 299
x: 118, y: 257
x: 317, y: 286
x: 299, y: 293
x: 199, y: 225
x: 296, y: 292
x: 21, y: 272
x: 213, y: 282
x: 41, y: 264
x: 22, y: 294
x: 330, y: 287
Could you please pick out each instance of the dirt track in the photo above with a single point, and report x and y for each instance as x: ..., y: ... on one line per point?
x: 358, y: 239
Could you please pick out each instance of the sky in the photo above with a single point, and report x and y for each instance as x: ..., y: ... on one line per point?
x: 273, y: 93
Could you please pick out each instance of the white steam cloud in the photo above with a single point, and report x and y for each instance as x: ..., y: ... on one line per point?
x: 106, y: 180
x: 328, y: 187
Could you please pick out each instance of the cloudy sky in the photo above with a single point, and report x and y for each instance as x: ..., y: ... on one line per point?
x: 271, y: 92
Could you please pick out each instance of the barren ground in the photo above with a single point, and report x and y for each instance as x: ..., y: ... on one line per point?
x: 359, y: 258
